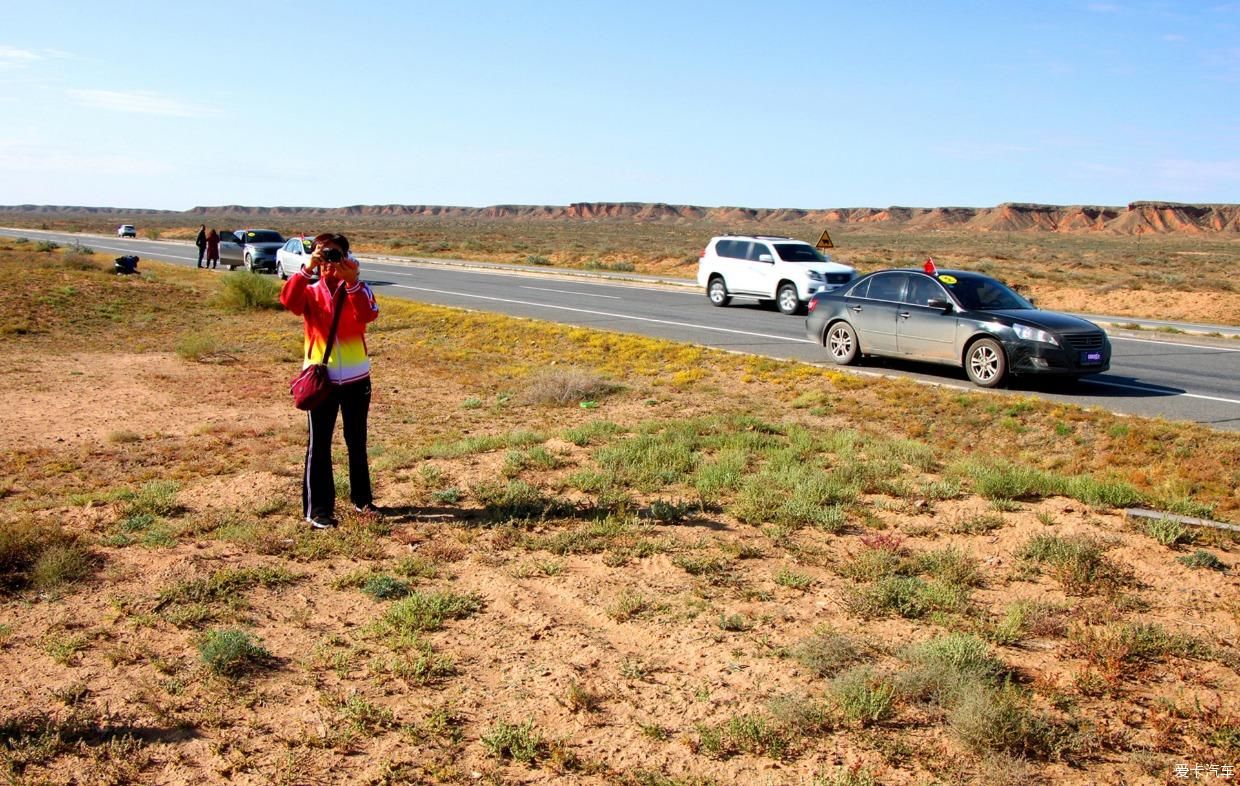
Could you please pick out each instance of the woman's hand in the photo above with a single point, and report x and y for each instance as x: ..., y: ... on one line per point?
x: 348, y: 270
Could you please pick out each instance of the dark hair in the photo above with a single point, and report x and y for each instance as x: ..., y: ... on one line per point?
x: 330, y: 237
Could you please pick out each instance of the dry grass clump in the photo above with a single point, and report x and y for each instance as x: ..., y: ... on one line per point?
x: 41, y: 555
x: 561, y: 385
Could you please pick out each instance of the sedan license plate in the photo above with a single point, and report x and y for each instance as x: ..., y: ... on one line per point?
x: 1091, y: 358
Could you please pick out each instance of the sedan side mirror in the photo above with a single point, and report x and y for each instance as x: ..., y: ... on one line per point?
x: 939, y: 303
x: 766, y: 258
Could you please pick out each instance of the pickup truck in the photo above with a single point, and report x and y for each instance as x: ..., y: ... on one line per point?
x: 254, y: 248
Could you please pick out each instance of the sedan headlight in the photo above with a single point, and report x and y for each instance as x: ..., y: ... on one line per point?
x: 1028, y: 333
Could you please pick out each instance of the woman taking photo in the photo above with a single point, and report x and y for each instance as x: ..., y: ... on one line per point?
x: 316, y: 301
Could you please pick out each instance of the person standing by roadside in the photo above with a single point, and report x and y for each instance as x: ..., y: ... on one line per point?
x: 201, y: 242
x: 213, y: 249
x: 337, y: 289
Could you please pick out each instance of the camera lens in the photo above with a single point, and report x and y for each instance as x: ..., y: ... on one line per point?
x: 332, y: 255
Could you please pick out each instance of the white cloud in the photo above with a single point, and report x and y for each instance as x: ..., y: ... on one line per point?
x: 142, y: 102
x: 12, y: 57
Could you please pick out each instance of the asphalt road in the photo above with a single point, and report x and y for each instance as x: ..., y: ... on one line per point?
x: 1186, y: 378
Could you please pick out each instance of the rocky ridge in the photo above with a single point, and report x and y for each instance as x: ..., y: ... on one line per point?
x: 1137, y: 218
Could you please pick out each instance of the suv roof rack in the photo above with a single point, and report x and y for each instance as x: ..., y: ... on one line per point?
x: 758, y: 237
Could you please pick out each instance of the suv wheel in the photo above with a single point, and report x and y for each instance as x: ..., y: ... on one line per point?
x: 717, y: 291
x: 787, y: 300
x: 842, y: 343
x: 985, y: 363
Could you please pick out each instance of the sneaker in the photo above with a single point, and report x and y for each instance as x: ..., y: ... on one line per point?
x: 321, y: 522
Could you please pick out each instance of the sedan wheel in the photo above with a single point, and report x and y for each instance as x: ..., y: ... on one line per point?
x: 985, y: 363
x: 787, y: 299
x: 842, y: 343
x: 280, y: 271
x: 717, y: 291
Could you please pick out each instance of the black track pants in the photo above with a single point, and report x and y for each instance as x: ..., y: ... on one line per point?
x: 318, y: 490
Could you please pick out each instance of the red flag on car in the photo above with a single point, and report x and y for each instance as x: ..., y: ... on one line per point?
x: 929, y: 266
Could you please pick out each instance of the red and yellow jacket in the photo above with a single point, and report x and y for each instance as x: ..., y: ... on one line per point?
x: 312, y: 300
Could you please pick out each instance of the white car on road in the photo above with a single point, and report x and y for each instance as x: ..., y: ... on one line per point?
x: 295, y: 253
x: 787, y: 271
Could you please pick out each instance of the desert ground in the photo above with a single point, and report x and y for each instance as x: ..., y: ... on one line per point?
x: 605, y: 559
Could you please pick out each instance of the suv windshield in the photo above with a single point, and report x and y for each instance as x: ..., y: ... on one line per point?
x: 263, y: 236
x: 980, y: 293
x: 798, y: 252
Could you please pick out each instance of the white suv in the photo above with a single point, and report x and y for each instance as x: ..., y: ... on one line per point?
x: 787, y: 271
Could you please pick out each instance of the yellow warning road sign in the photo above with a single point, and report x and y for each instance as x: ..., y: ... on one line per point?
x: 824, y: 241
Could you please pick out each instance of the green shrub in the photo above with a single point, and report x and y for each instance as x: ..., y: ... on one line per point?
x: 1078, y: 563
x: 998, y: 719
x: 944, y: 666
x: 1003, y: 480
x: 1202, y: 559
x: 1167, y: 532
x: 232, y: 652
x: 826, y: 653
x: 862, y: 696
x: 384, y: 587
x: 246, y: 291
x: 424, y: 611
x: 516, y: 741
x: 1107, y: 493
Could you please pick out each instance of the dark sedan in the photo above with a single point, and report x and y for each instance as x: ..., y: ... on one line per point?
x: 956, y: 318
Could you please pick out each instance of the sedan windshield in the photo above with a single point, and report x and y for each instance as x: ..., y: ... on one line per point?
x: 798, y: 252
x: 980, y: 293
x: 263, y: 236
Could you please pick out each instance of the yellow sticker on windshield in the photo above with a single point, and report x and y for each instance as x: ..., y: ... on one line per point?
x: 947, y: 279
x: 250, y: 234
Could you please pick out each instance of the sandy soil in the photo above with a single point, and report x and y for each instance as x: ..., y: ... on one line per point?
x: 658, y: 678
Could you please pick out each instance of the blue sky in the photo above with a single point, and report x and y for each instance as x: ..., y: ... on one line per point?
x: 779, y: 104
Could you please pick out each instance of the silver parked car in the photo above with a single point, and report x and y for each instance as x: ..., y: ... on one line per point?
x: 957, y: 318
x: 254, y: 248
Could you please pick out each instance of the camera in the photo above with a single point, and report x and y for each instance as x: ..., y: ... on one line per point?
x: 332, y: 255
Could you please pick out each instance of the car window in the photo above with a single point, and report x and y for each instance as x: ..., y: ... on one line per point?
x: 887, y: 286
x: 982, y: 293
x: 726, y: 248
x: 860, y: 288
x: 263, y: 236
x: 922, y: 290
x: 756, y: 250
x: 307, y: 245
x: 798, y: 252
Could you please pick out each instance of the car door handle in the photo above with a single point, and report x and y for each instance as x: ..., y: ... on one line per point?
x: 856, y: 309
x: 905, y: 315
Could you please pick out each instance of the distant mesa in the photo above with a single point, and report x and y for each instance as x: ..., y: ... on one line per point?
x: 1137, y: 218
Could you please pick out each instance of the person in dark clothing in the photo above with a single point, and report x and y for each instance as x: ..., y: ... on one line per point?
x: 201, y: 242
x: 213, y: 249
x: 316, y: 301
